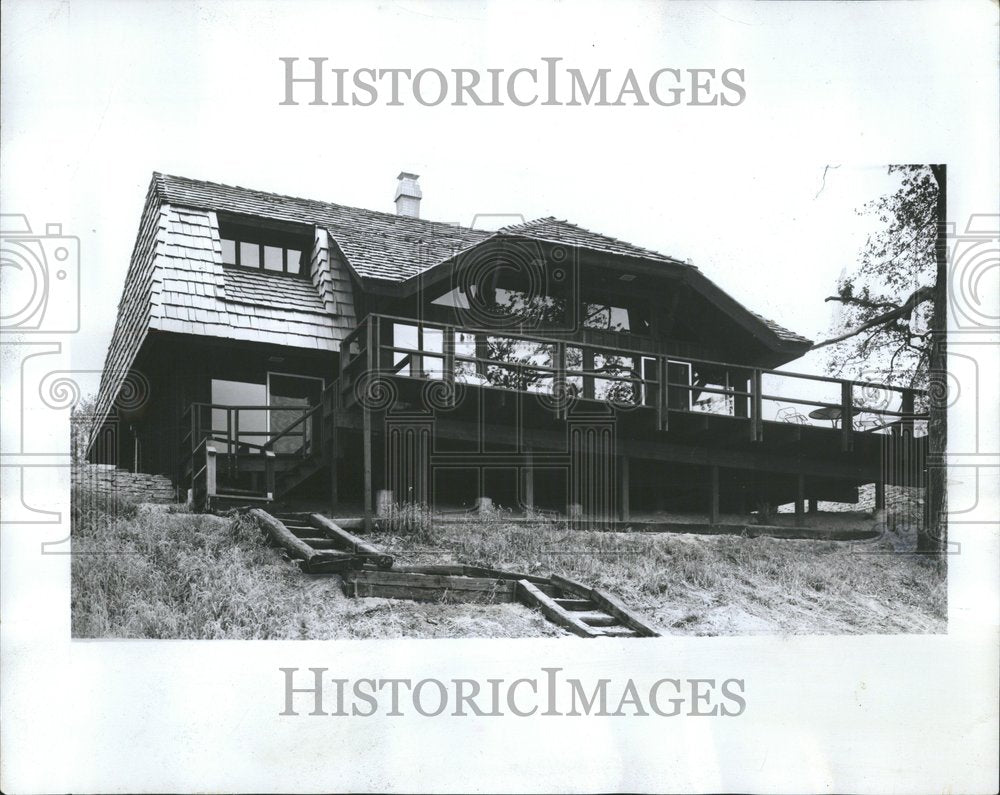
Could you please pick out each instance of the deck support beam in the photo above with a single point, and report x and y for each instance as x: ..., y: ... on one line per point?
x: 624, y: 509
x: 800, y: 497
x: 713, y: 500
x: 528, y: 474
x: 879, y: 495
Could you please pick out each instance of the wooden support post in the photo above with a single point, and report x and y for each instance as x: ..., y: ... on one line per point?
x: 334, y: 474
x: 449, y: 361
x: 366, y: 444
x: 846, y: 416
x: 663, y: 403
x: 907, y: 408
x: 211, y: 473
x: 529, y: 485
x: 269, y: 474
x: 800, y: 497
x: 713, y: 499
x: 813, y: 505
x: 563, y: 411
x: 879, y: 495
x: 756, y: 406
x: 588, y: 373
x: 624, y: 509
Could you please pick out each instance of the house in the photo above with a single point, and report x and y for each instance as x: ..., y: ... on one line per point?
x: 274, y: 349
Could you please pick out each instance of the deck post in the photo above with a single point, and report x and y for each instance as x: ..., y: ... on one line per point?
x: 756, y: 406
x: 846, y: 416
x: 713, y: 499
x: 269, y: 474
x: 449, y: 362
x: 562, y: 411
x: 366, y: 424
x: 907, y: 407
x: 211, y: 463
x: 800, y: 497
x: 880, y: 495
x: 813, y: 505
x: 588, y: 373
x: 624, y: 509
x: 663, y: 405
x: 334, y: 485
x: 529, y: 483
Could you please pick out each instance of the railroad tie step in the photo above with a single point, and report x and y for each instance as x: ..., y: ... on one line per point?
x: 575, y: 604
x: 595, y: 618
x: 617, y: 631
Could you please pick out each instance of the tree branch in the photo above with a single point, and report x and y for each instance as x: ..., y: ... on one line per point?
x: 853, y: 299
x: 918, y: 297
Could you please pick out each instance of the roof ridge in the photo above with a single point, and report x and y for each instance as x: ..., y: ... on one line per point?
x: 160, y: 176
x: 625, y: 243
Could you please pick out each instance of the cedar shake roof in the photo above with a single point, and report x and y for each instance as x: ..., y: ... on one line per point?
x: 377, y: 245
x: 552, y: 230
x: 176, y: 281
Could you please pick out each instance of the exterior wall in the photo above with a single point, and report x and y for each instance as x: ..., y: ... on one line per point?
x: 108, y: 480
x: 180, y: 369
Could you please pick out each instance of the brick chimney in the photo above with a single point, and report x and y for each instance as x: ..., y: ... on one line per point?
x: 408, y: 195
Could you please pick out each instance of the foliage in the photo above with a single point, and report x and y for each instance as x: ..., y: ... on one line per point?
x: 81, y: 422
x: 409, y: 519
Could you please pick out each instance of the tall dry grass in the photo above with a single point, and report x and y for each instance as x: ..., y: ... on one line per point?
x: 714, y: 584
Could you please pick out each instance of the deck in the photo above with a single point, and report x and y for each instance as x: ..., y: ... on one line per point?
x: 399, y: 374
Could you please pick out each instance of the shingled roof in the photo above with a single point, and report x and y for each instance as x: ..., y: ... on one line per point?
x: 553, y: 230
x: 377, y: 245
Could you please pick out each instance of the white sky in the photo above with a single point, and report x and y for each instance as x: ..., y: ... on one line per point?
x: 97, y: 95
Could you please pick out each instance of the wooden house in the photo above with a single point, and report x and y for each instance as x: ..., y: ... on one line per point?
x: 276, y: 349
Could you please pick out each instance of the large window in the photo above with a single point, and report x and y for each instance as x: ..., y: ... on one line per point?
x: 264, y: 249
x: 609, y: 317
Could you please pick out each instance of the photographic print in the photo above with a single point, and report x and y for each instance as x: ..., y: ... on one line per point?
x: 499, y: 397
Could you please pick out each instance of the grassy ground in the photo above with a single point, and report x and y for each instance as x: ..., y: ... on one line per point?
x: 712, y: 585
x: 152, y: 573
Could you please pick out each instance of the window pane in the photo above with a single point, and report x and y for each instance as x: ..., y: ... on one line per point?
x: 228, y: 251
x: 253, y: 423
x: 294, y: 261
x: 433, y: 340
x: 273, y: 258
x: 249, y: 255
x: 404, y: 336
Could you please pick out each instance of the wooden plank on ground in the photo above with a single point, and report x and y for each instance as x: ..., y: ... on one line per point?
x: 441, y: 581
x: 614, y: 607
x: 352, y: 542
x: 428, y: 587
x: 530, y: 595
x: 481, y: 571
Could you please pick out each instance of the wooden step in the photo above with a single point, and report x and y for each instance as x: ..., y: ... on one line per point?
x: 575, y: 603
x: 596, y: 618
x: 616, y: 632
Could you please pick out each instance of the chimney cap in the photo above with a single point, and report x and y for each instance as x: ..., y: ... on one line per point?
x: 408, y: 195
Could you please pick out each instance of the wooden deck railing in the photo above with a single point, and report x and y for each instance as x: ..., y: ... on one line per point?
x: 558, y: 367
x: 223, y: 462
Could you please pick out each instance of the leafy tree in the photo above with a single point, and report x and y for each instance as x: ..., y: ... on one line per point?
x: 894, y: 312
x: 81, y: 421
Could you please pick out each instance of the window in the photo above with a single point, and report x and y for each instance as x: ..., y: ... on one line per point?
x: 263, y: 249
x: 608, y: 317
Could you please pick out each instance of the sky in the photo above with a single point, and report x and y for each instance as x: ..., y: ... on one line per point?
x: 98, y: 95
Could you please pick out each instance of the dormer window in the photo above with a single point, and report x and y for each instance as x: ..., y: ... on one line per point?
x: 271, y: 250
